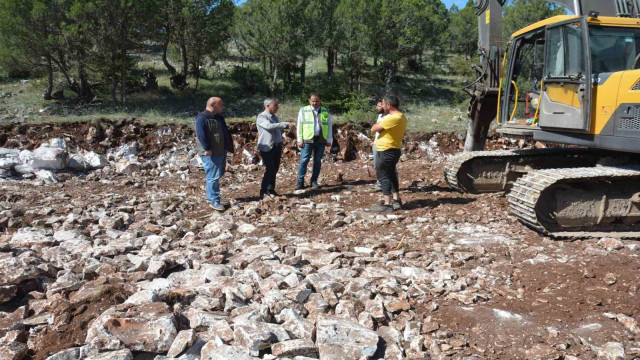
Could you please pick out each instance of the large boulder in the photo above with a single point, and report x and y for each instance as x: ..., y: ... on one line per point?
x: 31, y: 237
x: 147, y: 327
x: 94, y: 160
x: 338, y: 338
x: 16, y: 269
x: 50, y: 158
x: 77, y: 162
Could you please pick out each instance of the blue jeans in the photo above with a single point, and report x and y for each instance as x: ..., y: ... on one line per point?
x: 214, y: 167
x: 317, y: 148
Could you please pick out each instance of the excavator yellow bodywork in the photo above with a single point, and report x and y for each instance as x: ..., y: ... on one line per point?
x: 573, y: 82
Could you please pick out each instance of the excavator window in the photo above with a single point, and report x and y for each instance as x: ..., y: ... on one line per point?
x: 614, y: 49
x: 524, y: 84
x: 564, y: 42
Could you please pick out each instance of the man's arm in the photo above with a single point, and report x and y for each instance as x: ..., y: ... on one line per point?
x: 376, y: 128
x: 330, y: 137
x: 299, y: 127
x: 264, y: 123
x: 387, y: 123
x: 201, y: 132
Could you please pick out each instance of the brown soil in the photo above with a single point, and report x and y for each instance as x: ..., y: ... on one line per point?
x: 524, y: 305
x: 72, y: 331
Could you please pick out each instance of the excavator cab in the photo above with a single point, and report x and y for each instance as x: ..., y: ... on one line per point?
x: 588, y: 92
x: 547, y: 82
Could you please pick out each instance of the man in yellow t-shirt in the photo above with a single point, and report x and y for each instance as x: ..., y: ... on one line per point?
x: 389, y: 148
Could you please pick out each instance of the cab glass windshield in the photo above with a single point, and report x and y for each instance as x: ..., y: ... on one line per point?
x: 613, y: 48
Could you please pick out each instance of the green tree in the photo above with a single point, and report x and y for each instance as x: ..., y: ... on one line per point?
x: 274, y: 30
x: 463, y: 30
x: 352, y: 17
x: 324, y: 27
x: 521, y: 13
x: 115, y: 28
x: 403, y: 29
x: 197, y: 28
x: 30, y: 35
x: 209, y: 31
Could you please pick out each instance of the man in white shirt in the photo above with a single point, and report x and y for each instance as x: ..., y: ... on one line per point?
x: 314, y: 130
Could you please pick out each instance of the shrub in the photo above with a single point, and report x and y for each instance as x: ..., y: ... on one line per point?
x: 250, y: 80
x: 462, y: 67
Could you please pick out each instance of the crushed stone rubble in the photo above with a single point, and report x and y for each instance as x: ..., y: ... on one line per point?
x: 124, y: 262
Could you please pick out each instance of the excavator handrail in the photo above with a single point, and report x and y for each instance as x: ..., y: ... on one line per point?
x: 515, y: 107
x: 535, y: 116
x: 504, y: 63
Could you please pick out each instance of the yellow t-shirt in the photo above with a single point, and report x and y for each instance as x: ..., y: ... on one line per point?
x: 391, y: 137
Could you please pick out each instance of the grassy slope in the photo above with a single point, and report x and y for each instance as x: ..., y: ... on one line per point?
x: 426, y: 100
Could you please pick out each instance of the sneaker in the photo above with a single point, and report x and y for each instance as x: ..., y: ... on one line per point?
x: 397, y: 205
x: 314, y: 185
x: 300, y: 185
x: 217, y: 207
x: 224, y: 202
x: 382, y: 208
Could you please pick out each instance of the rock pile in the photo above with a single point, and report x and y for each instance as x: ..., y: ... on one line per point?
x: 124, y: 265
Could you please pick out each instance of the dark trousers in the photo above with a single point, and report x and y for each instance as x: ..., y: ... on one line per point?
x: 271, y: 161
x: 386, y: 172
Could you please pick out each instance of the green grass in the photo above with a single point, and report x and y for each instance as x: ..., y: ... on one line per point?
x: 431, y: 102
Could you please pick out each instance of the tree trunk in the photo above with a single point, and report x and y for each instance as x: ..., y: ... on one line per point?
x: 303, y: 70
x: 375, y: 61
x: 170, y: 68
x: 330, y: 63
x: 264, y: 64
x: 123, y: 74
x: 47, y: 95
x: 185, y: 59
x: 274, y: 79
x: 196, y: 72
x: 114, y: 86
x: 84, y: 93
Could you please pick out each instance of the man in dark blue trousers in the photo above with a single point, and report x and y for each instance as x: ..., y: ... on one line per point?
x: 214, y: 141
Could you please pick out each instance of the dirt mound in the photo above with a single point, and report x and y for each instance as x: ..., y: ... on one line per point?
x: 102, y: 134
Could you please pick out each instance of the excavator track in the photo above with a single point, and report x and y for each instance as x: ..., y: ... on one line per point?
x: 580, y: 202
x: 496, y: 171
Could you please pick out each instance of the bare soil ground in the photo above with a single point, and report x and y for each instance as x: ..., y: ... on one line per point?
x: 508, y: 293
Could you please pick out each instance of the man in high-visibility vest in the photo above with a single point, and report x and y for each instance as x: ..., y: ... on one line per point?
x: 314, y: 134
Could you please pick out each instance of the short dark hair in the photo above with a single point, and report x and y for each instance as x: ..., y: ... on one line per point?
x: 392, y: 99
x: 316, y: 95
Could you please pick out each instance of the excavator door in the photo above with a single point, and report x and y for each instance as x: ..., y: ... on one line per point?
x: 565, y: 101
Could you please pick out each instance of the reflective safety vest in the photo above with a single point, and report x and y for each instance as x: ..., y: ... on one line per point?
x: 308, y: 121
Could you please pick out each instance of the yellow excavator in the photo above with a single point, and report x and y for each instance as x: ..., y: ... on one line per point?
x: 572, y: 81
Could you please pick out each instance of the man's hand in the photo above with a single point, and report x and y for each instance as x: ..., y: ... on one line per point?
x: 208, y: 153
x: 300, y: 144
x: 288, y: 124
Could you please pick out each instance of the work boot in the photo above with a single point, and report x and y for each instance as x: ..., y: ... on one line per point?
x: 382, y: 208
x: 217, y: 207
x: 397, y: 205
x: 300, y: 185
x: 314, y: 185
